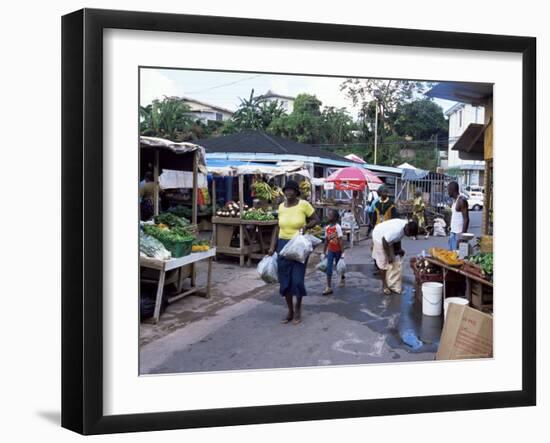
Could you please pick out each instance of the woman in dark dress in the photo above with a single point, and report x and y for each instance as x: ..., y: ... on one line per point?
x: 294, y: 215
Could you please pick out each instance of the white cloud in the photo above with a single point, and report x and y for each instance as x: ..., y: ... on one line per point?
x: 154, y: 84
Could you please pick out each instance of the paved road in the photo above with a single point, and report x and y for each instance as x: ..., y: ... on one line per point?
x: 357, y: 325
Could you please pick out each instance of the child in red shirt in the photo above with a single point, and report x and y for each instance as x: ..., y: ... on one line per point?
x: 334, y: 248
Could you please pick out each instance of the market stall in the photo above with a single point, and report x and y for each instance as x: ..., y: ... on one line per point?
x: 469, y: 278
x: 354, y: 180
x: 244, y: 230
x: 168, y: 242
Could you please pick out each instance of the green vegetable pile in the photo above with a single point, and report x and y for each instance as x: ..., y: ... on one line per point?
x: 171, y: 220
x: 181, y: 211
x: 484, y: 260
x: 258, y: 215
x: 174, y: 235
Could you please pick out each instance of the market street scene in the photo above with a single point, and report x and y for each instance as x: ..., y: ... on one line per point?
x: 330, y: 221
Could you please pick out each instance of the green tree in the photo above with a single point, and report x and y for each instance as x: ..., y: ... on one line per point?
x: 421, y: 120
x: 167, y: 118
x: 254, y: 113
x: 337, y: 125
x: 304, y: 124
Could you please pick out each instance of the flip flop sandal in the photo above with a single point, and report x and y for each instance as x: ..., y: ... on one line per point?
x: 327, y: 292
x: 286, y: 320
x: 297, y: 319
x: 387, y: 291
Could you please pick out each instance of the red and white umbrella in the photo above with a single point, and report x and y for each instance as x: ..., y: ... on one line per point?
x: 353, y: 179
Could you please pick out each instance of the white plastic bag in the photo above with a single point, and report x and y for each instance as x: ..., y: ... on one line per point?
x: 297, y: 249
x: 267, y: 268
x: 341, y: 267
x: 393, y: 276
x: 314, y: 240
x: 322, y: 265
x: 439, y: 228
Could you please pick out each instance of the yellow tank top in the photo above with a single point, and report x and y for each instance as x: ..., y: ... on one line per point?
x: 292, y: 219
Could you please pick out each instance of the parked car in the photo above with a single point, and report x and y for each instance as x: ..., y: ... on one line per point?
x: 475, y: 201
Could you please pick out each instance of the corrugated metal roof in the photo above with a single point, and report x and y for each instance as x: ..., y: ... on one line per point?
x: 260, y: 142
x: 464, y: 92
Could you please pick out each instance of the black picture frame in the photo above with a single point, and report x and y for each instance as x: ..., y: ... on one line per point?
x: 82, y: 159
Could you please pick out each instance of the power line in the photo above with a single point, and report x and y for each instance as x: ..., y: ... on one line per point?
x: 224, y: 84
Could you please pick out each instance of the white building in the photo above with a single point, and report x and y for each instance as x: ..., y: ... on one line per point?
x: 205, y: 111
x: 460, y: 116
x: 286, y: 101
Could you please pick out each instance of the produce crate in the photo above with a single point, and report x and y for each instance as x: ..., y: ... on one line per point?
x: 473, y: 269
x: 481, y: 296
x: 179, y: 249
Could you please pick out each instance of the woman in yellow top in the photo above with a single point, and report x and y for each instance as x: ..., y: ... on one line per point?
x: 294, y: 214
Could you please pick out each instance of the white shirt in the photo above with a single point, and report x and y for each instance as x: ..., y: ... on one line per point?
x: 392, y: 230
x: 457, y: 219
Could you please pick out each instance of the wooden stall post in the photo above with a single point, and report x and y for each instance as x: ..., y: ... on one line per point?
x: 157, y: 184
x: 213, y: 241
x: 195, y: 189
x: 194, y: 211
x: 241, y: 226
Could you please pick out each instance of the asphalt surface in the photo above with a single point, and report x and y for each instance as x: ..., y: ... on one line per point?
x: 358, y: 324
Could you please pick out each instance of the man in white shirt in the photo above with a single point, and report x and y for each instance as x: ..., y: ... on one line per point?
x: 386, y: 244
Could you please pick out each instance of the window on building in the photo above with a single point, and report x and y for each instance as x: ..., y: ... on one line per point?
x: 460, y: 118
x: 219, y: 116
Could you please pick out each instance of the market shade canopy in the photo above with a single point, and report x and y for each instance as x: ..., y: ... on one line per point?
x: 235, y: 168
x: 470, y: 145
x: 352, y: 179
x: 171, y: 153
x: 464, y: 92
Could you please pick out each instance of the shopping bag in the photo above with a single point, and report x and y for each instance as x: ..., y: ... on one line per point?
x: 314, y: 240
x: 298, y: 249
x: 322, y: 265
x: 341, y: 267
x: 393, y: 276
x: 267, y: 268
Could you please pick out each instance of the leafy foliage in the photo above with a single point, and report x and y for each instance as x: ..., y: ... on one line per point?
x: 167, y: 118
x: 254, y: 113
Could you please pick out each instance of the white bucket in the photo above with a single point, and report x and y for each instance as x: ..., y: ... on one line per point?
x: 457, y: 300
x: 432, y: 295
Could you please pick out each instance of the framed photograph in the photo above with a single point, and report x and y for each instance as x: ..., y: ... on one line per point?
x: 269, y: 221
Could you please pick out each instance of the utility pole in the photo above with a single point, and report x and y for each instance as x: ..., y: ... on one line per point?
x: 436, y: 153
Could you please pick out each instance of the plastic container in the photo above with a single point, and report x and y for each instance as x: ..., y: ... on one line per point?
x: 179, y: 249
x: 432, y: 295
x: 457, y: 300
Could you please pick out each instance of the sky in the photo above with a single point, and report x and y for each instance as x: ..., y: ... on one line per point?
x: 225, y: 89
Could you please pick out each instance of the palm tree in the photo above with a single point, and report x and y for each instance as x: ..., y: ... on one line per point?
x: 169, y: 118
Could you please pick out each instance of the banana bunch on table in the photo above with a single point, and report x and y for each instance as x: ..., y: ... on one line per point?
x: 262, y: 190
x: 448, y: 257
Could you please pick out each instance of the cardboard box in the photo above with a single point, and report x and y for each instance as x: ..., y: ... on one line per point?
x: 467, y: 333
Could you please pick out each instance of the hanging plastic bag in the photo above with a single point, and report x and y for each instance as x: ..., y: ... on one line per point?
x: 314, y: 240
x: 393, y: 276
x: 341, y: 267
x: 322, y: 265
x: 297, y: 249
x: 267, y: 268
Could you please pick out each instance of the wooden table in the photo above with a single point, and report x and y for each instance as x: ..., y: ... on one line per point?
x: 251, y: 244
x: 164, y: 266
x: 475, y: 298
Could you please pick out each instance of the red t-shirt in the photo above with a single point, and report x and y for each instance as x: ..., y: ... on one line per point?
x: 332, y: 234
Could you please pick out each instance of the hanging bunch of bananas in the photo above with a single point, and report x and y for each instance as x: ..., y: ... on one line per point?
x: 305, y: 188
x: 262, y: 190
x: 276, y: 192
